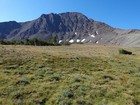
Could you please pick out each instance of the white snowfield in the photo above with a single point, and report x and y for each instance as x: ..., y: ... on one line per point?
x: 75, y: 33
x: 71, y: 41
x: 97, y: 32
x: 78, y: 40
x: 92, y: 35
x: 60, y: 41
x: 83, y: 40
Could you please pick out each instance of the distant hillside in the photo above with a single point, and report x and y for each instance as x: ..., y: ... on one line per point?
x: 69, y: 26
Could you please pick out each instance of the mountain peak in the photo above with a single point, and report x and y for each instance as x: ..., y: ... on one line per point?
x: 68, y: 26
x: 76, y: 13
x: 44, y: 15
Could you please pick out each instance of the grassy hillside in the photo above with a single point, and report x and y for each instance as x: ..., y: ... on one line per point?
x: 69, y: 75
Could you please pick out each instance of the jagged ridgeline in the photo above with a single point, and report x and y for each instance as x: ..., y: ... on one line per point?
x: 69, y: 27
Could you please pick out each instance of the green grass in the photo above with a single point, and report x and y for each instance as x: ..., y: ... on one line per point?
x: 69, y: 75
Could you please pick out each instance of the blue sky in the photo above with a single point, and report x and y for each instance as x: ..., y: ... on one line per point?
x: 117, y: 13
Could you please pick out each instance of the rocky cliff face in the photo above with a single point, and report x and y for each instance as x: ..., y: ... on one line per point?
x: 70, y: 26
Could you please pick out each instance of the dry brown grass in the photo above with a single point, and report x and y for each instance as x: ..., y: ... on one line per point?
x: 69, y: 75
x: 75, y: 50
x: 85, y: 50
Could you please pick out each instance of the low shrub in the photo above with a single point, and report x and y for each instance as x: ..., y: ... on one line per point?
x: 55, y: 78
x: 122, y: 51
x: 11, y: 67
x: 23, y: 81
x: 68, y: 93
x: 17, y: 95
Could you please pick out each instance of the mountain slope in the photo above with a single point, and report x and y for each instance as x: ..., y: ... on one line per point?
x: 7, y: 27
x: 69, y: 26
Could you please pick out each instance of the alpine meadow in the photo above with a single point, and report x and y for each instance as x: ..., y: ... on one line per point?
x: 69, y: 52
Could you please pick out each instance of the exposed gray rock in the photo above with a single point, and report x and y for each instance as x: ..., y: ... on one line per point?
x: 69, y: 26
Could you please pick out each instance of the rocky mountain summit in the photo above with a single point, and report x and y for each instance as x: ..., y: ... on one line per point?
x: 70, y: 26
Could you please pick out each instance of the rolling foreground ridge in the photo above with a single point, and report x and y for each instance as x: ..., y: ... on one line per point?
x: 69, y: 75
x: 71, y: 27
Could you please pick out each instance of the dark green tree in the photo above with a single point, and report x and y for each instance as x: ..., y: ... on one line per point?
x: 53, y: 40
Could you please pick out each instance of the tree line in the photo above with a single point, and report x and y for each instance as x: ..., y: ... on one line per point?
x: 34, y: 41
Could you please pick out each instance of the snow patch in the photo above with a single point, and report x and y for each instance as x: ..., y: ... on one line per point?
x: 78, y: 40
x: 83, y: 40
x: 60, y: 41
x: 97, y: 42
x: 96, y: 32
x: 71, y: 41
x: 92, y: 35
x: 75, y: 33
